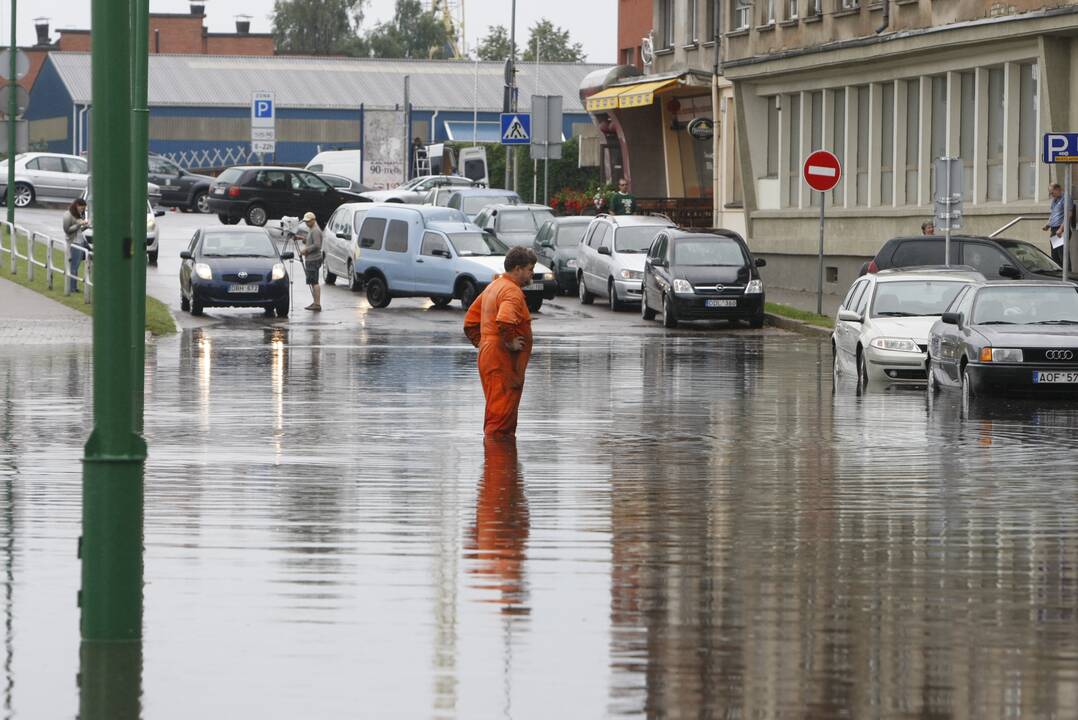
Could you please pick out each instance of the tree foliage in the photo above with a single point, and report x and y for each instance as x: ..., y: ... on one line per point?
x: 495, y: 46
x: 554, y: 44
x: 317, y: 27
x: 412, y: 33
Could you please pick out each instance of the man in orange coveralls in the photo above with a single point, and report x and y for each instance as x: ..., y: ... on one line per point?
x: 499, y: 324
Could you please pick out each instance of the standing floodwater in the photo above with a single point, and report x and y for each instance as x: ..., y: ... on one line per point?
x: 689, y: 526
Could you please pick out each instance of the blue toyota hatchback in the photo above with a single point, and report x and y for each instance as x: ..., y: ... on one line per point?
x: 234, y: 267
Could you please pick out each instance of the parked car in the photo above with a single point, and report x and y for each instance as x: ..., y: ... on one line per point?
x: 347, y: 163
x: 693, y: 275
x: 514, y: 224
x: 415, y: 190
x: 234, y: 267
x: 45, y: 177
x: 558, y: 244
x: 153, y: 239
x: 610, y: 261
x: 425, y: 251
x: 543, y: 286
x: 180, y: 188
x: 439, y: 196
x: 258, y: 194
x: 471, y: 200
x: 340, y: 244
x: 995, y: 258
x: 881, y: 330
x: 1009, y: 337
x: 344, y: 183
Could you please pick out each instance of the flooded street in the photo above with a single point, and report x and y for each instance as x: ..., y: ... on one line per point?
x: 688, y: 525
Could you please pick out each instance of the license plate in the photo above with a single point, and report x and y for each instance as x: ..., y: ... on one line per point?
x: 720, y: 303
x: 1054, y: 376
x: 534, y: 286
x: 243, y: 288
x: 219, y: 191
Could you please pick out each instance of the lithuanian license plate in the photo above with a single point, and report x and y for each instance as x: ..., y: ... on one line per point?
x: 720, y: 303
x: 243, y: 288
x: 533, y: 287
x: 1054, y: 376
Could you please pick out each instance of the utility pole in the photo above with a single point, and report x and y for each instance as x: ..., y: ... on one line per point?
x: 12, y: 110
x: 511, y: 150
x: 140, y: 150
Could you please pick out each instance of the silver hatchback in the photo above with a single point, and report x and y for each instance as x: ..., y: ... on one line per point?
x: 610, y: 263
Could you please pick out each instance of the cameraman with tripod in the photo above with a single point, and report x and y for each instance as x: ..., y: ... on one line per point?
x: 311, y: 253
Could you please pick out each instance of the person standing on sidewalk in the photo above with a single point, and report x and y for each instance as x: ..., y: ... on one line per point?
x: 74, y: 222
x: 1055, y: 222
x: 312, y: 259
x: 622, y: 201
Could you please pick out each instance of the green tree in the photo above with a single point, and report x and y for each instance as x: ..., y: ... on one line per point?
x: 412, y: 33
x: 495, y: 46
x: 554, y: 44
x: 317, y: 27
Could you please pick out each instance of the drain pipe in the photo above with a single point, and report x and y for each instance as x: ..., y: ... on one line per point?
x: 886, y: 17
x: 718, y: 125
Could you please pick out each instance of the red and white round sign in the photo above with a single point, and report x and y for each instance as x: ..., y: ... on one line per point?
x: 822, y: 170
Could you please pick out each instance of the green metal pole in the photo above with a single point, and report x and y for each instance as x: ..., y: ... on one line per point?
x: 12, y: 110
x: 140, y: 118
x: 112, y: 491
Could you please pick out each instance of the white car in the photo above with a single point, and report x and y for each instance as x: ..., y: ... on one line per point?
x: 881, y: 330
x: 46, y: 177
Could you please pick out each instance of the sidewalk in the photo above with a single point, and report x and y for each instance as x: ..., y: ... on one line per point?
x: 29, y: 318
x: 804, y: 300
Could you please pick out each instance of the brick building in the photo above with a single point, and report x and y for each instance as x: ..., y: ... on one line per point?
x: 634, y: 24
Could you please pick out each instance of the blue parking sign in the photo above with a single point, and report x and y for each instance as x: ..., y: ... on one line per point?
x: 264, y: 108
x: 1060, y: 148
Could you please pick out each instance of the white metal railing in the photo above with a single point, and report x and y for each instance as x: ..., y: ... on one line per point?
x: 212, y: 158
x: 1015, y: 221
x: 9, y: 245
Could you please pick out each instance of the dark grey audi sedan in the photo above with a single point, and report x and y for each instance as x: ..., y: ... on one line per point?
x: 1007, y: 336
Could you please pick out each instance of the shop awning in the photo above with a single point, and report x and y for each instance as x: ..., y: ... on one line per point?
x: 628, y: 96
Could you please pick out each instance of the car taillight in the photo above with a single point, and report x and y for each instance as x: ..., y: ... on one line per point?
x: 872, y: 266
x: 233, y: 191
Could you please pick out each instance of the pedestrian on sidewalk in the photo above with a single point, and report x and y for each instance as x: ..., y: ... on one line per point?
x: 499, y: 324
x: 312, y: 259
x: 622, y: 201
x: 74, y: 222
x: 1055, y: 222
x: 928, y: 227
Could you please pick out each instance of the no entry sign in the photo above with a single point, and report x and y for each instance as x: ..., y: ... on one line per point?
x: 822, y: 170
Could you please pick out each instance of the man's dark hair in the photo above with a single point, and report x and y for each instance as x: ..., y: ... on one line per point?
x: 519, y: 256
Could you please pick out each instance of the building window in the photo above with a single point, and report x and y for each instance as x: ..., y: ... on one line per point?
x: 939, y: 127
x: 742, y: 14
x: 913, y: 140
x: 666, y: 8
x: 694, y: 31
x: 815, y: 134
x: 887, y: 145
x: 838, y: 137
x: 628, y: 56
x: 850, y: 4
x: 967, y: 120
x: 862, y: 144
x: 793, y: 167
x: 769, y: 12
x: 995, y: 134
x: 815, y: 8
x: 791, y: 9
x: 1029, y: 99
x: 709, y: 19
x: 772, y: 137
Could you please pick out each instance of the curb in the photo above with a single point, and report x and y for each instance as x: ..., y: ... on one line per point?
x: 797, y: 326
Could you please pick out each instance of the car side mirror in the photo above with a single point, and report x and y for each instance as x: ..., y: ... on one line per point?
x: 659, y: 262
x: 952, y: 318
x: 158, y: 213
x: 849, y: 316
x: 287, y: 255
x: 185, y: 255
x: 439, y: 252
x: 344, y: 236
x: 1010, y: 271
x: 760, y: 262
x: 546, y: 244
x: 604, y: 250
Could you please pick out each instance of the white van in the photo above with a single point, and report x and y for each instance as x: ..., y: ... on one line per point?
x: 472, y: 162
x: 338, y: 162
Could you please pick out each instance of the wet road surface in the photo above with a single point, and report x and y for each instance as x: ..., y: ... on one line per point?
x: 688, y: 525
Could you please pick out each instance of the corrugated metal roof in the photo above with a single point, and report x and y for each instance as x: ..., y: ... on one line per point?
x: 333, y: 83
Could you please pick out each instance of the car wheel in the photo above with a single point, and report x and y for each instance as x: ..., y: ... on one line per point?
x: 757, y: 321
x: 330, y: 278
x: 645, y: 312
x: 151, y: 257
x: 267, y: 311
x: 441, y: 301
x: 669, y: 314
x: 968, y: 391
x: 282, y: 309
x: 586, y: 297
x: 468, y: 293
x: 226, y: 220
x: 256, y: 215
x: 201, y: 202
x: 862, y: 370
x: 24, y: 195
x: 185, y: 304
x: 196, y: 307
x: 378, y: 292
x: 612, y: 292
x: 534, y: 304
x: 354, y: 283
x: 933, y: 382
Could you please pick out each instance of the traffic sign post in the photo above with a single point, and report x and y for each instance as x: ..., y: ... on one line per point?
x: 821, y: 171
x: 263, y: 123
x: 948, y: 204
x: 1063, y: 148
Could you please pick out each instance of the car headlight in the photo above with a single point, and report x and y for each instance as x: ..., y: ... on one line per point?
x: 895, y: 344
x: 570, y: 263
x: 682, y: 286
x: 150, y: 225
x: 1001, y: 355
x: 278, y: 272
x: 755, y: 287
x: 634, y: 275
x: 542, y: 276
x: 203, y: 271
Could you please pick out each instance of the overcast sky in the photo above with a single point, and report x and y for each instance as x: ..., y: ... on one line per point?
x: 590, y: 22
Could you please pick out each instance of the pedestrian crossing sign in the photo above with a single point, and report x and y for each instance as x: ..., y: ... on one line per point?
x: 516, y: 128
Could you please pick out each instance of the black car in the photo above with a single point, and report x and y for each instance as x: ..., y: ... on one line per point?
x: 1007, y: 336
x: 257, y: 194
x: 344, y: 183
x: 707, y: 275
x: 234, y: 267
x: 557, y: 245
x: 179, y: 188
x: 995, y: 258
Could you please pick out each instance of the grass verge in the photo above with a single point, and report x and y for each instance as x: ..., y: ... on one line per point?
x: 158, y: 318
x: 803, y: 315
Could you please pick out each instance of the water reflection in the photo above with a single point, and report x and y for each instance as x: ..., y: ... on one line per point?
x: 110, y: 681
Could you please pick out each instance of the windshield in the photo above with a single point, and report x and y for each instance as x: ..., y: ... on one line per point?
x: 469, y: 243
x: 571, y: 235
x: 237, y: 245
x: 497, y: 247
x: 517, y: 221
x: 230, y: 176
x: 1031, y: 257
x: 708, y: 252
x: 475, y: 203
x: 1026, y: 306
x: 914, y: 298
x: 635, y: 239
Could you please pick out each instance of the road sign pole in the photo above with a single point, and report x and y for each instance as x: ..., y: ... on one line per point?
x: 819, y: 263
x: 12, y: 110
x: 1067, y: 199
x: 947, y: 230
x: 140, y: 124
